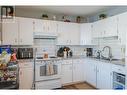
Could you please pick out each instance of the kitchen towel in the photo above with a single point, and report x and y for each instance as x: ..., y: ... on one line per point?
x: 49, y: 69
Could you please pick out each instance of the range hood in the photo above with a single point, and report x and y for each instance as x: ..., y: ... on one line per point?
x: 39, y: 35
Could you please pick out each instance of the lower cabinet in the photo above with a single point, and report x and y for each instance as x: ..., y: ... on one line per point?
x: 72, y: 71
x: 66, y: 71
x: 104, y: 76
x: 98, y: 74
x: 90, y: 72
x: 25, y: 75
x: 78, y: 74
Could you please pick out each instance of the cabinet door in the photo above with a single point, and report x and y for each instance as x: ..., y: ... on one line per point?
x: 104, y: 76
x: 25, y: 78
x: 111, y: 27
x: 85, y: 34
x: 10, y: 32
x: 98, y: 28
x: 73, y: 33
x: 66, y: 73
x: 122, y: 28
x: 25, y: 31
x: 62, y: 38
x: 78, y: 73
x: 68, y: 33
x: 53, y: 27
x: 90, y: 72
x: 37, y: 25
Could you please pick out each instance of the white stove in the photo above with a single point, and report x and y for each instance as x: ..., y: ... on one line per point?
x: 47, y: 73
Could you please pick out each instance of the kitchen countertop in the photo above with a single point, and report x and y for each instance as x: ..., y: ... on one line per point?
x: 116, y: 62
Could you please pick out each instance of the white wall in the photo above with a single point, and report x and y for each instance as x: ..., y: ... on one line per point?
x: 38, y: 14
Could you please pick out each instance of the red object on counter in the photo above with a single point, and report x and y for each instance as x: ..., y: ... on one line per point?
x: 13, y: 57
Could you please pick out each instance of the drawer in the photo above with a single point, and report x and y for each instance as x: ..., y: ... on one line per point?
x: 26, y: 64
x: 118, y: 69
x: 67, y: 62
x: 48, y: 84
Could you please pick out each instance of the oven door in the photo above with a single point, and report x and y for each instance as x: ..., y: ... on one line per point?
x: 41, y: 73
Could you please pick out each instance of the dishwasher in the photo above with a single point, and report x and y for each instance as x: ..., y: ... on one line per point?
x: 118, y: 80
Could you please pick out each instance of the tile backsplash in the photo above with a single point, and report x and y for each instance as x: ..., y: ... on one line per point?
x: 48, y: 45
x: 118, y: 50
x: 77, y: 50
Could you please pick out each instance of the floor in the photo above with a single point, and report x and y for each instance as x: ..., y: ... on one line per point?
x: 82, y: 85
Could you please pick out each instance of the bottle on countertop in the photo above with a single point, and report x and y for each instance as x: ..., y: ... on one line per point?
x: 65, y: 53
x: 45, y: 54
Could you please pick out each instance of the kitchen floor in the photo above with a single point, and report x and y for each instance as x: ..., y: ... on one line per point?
x: 82, y: 86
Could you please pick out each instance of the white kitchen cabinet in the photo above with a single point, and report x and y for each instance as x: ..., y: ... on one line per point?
x: 86, y: 34
x: 110, y: 28
x: 73, y: 33
x: 90, y: 72
x: 25, y: 75
x: 66, y: 71
x: 37, y: 25
x: 49, y: 26
x: 78, y: 70
x: 53, y: 27
x: 122, y: 28
x: 62, y: 34
x: 105, y: 28
x: 68, y: 33
x: 10, y: 32
x: 17, y: 32
x: 104, y: 75
x: 98, y: 28
x: 25, y: 31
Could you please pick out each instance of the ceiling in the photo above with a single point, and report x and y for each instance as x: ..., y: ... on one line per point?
x: 68, y: 10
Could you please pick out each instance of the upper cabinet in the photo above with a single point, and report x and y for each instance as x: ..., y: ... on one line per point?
x: 25, y: 31
x: 105, y: 28
x: 122, y: 28
x: 17, y: 32
x: 110, y: 28
x: 44, y: 26
x: 68, y: 33
x: 86, y: 34
x: 37, y: 25
x: 98, y: 28
x: 10, y: 32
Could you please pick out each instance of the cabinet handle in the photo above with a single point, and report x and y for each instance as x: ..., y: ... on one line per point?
x: 48, y: 28
x: 70, y: 41
x: 104, y: 32
x: 43, y: 28
x: 120, y: 39
x: 67, y: 41
x: 20, y: 73
x: 33, y: 25
x: 21, y: 40
x: 16, y: 40
x: 119, y: 69
x: 111, y: 74
x: 70, y: 68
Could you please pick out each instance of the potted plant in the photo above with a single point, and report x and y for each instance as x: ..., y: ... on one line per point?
x: 102, y: 16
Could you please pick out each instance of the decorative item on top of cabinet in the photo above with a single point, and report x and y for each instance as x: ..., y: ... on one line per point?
x: 45, y: 16
x: 65, y: 19
x: 78, y: 19
x: 102, y: 16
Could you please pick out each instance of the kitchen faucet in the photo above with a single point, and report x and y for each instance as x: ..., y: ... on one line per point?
x: 110, y: 52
